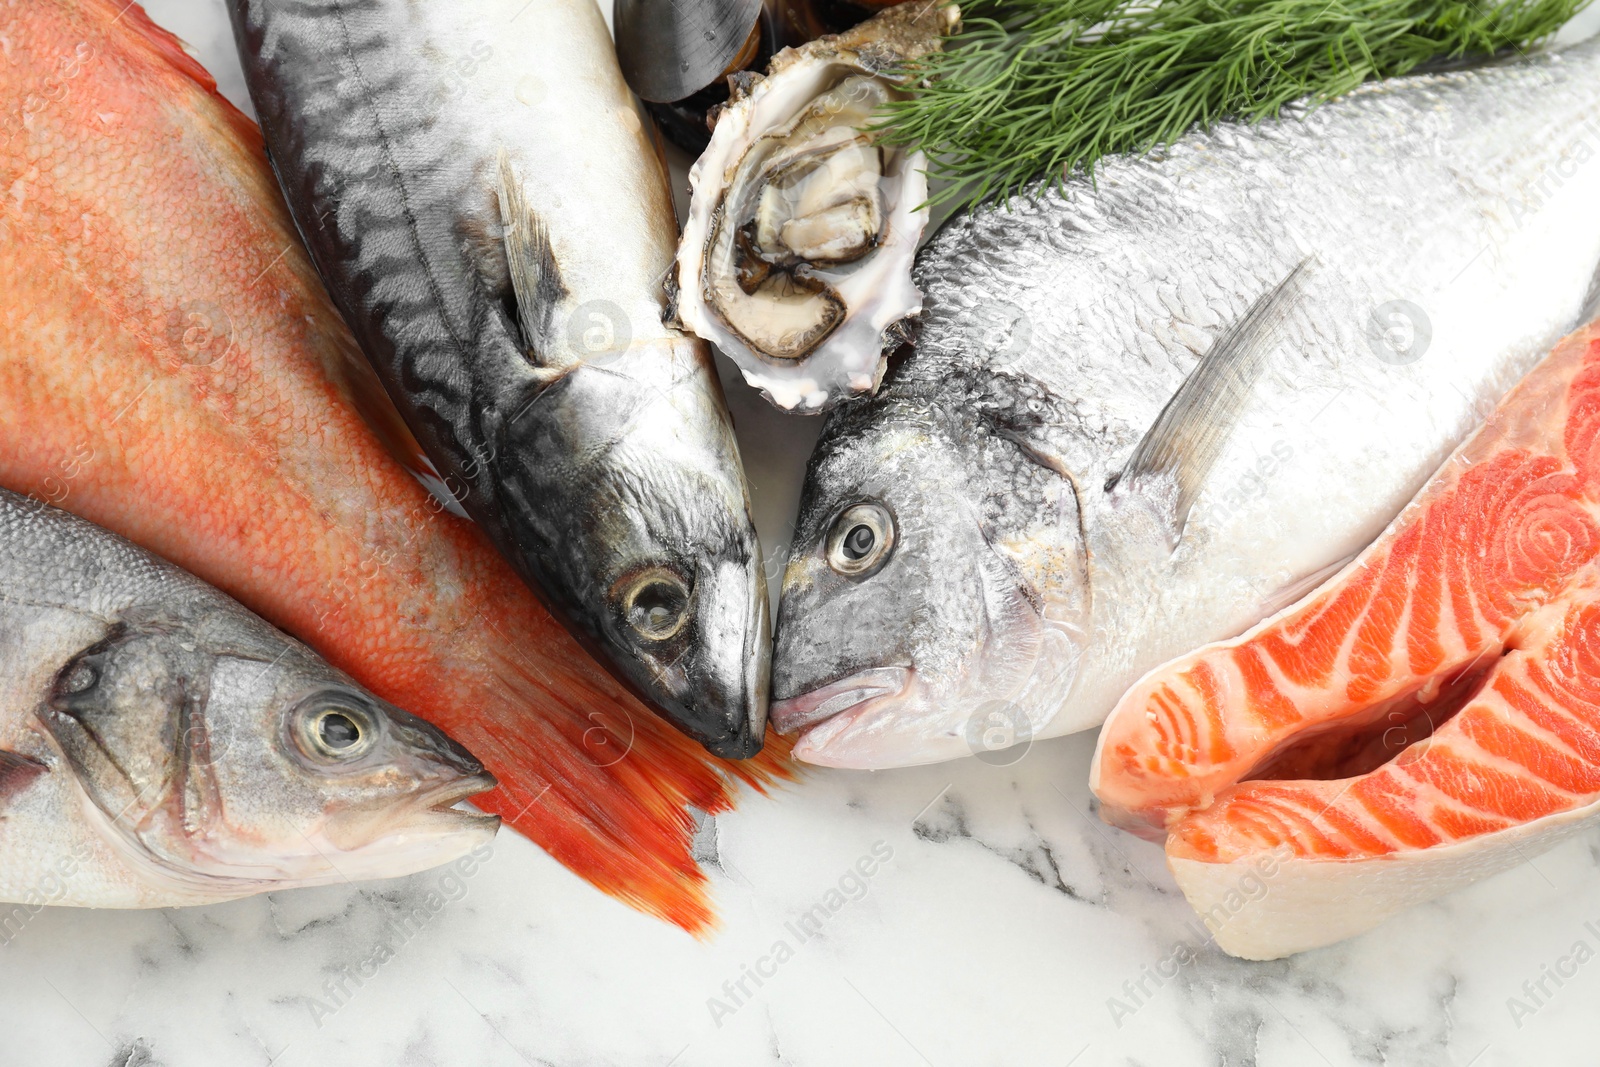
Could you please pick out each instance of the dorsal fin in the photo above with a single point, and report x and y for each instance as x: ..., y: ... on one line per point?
x: 535, y: 276
x: 131, y: 20
x: 1589, y: 310
x: 1172, y: 460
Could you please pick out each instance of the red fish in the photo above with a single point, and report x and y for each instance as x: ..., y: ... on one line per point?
x: 1428, y: 717
x: 171, y: 369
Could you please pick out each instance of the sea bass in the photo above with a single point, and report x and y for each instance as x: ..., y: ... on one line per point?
x: 1428, y: 718
x: 1148, y: 410
x: 171, y: 369
x: 161, y: 746
x: 483, y: 196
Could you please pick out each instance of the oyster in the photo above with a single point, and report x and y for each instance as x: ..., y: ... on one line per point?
x: 796, y: 256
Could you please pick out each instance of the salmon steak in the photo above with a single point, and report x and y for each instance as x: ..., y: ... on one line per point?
x: 1428, y: 717
x: 171, y: 368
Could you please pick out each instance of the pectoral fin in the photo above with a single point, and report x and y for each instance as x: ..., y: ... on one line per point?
x: 1589, y: 310
x: 1297, y: 589
x: 1171, y: 462
x: 16, y: 774
x: 535, y: 275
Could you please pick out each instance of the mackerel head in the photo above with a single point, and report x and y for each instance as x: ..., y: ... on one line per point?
x: 1148, y: 410
x: 485, y: 203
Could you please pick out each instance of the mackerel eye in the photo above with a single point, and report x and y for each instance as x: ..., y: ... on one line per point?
x: 861, y: 539
x: 656, y: 604
x: 332, y: 732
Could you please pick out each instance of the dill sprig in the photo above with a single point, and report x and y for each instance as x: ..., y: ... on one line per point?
x: 1032, y: 88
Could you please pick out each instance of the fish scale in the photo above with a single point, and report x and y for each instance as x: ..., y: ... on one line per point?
x: 1426, y: 205
x: 1298, y: 743
x: 175, y: 372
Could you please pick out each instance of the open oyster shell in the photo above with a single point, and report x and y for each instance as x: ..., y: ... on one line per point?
x: 796, y: 256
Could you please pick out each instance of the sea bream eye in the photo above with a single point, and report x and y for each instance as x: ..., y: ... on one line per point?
x: 656, y: 604
x: 861, y: 539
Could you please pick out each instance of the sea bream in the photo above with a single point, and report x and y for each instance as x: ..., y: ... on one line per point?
x: 1429, y: 717
x: 487, y: 205
x: 161, y: 746
x: 172, y: 369
x: 1147, y: 410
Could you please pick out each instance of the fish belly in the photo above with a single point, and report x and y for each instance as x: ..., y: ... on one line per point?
x: 1422, y: 721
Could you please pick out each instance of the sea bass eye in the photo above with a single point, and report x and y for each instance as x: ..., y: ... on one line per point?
x: 861, y: 539
x: 337, y: 730
x: 331, y: 730
x: 656, y: 604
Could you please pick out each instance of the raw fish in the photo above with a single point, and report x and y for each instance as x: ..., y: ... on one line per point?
x: 1429, y: 717
x: 171, y: 369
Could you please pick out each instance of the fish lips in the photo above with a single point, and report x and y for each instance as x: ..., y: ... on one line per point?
x: 804, y: 713
x: 433, y: 822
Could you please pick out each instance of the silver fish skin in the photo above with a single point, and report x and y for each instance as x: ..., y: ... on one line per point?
x: 161, y: 746
x: 1148, y: 411
x: 488, y: 207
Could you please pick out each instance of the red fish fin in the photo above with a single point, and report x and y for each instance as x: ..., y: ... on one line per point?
x: 130, y: 19
x: 605, y: 790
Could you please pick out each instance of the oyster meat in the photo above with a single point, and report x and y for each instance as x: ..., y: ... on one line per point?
x: 796, y: 256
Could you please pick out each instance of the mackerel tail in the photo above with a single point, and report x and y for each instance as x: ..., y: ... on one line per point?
x: 485, y: 203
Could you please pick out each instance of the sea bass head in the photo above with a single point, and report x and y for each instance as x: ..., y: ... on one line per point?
x: 222, y: 758
x: 643, y: 534
x: 932, y: 606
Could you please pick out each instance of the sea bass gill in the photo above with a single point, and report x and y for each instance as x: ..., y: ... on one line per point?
x: 482, y: 196
x: 1146, y: 411
x: 161, y: 746
x: 171, y: 369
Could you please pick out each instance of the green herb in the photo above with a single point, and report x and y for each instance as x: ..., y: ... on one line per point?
x: 1047, y: 87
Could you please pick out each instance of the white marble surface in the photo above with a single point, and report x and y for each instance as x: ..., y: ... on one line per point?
x: 1006, y: 926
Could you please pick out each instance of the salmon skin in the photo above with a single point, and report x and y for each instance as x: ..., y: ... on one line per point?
x: 482, y: 195
x: 171, y: 369
x: 1428, y: 717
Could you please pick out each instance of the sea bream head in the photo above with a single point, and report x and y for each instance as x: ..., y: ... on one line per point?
x: 219, y: 758
x: 934, y: 603
x: 975, y: 546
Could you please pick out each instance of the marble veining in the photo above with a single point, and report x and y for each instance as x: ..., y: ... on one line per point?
x: 956, y: 915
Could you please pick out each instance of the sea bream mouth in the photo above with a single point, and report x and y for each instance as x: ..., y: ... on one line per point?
x: 803, y: 713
